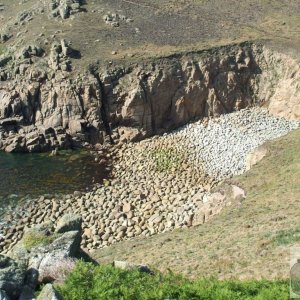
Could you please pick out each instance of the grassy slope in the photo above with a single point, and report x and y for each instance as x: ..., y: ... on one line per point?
x: 248, y: 241
x: 166, y: 26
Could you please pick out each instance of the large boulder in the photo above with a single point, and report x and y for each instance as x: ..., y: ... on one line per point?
x: 42, y: 248
x: 211, y: 206
x: 69, y: 222
x: 56, y: 253
x: 125, y: 265
x: 12, y: 275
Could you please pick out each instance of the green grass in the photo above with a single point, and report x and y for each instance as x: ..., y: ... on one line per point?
x: 34, y: 239
x: 166, y: 159
x: 2, y: 49
x: 89, y: 282
x: 287, y: 237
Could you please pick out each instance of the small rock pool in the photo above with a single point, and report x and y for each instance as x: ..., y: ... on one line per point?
x: 25, y: 176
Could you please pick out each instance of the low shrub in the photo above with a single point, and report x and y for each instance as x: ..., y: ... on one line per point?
x: 89, y: 282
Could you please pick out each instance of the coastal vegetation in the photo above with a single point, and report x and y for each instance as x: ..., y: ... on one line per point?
x: 105, y: 282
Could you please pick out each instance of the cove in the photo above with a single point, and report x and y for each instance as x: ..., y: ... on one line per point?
x: 25, y: 176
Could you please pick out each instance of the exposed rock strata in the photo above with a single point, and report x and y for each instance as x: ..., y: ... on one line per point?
x: 278, y: 85
x: 40, y: 94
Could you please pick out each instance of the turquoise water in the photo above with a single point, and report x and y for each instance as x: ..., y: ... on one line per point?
x: 33, y: 175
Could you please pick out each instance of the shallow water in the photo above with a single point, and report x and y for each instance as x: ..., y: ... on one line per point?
x: 32, y: 175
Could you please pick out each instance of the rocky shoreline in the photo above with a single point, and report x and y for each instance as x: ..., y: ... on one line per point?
x: 158, y: 184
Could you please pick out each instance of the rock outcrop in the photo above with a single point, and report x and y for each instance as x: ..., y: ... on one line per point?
x: 65, y: 8
x: 277, y: 87
x: 32, y: 259
x: 45, y: 105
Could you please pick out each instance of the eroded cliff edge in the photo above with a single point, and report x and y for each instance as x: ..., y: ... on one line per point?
x: 44, y: 104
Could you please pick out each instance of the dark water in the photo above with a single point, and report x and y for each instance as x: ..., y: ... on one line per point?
x: 33, y: 175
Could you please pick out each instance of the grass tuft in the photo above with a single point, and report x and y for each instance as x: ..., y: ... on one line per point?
x: 287, y: 237
x: 34, y: 239
x: 2, y: 49
x: 166, y: 159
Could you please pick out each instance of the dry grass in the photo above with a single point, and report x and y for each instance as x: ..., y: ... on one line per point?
x: 60, y: 270
x: 2, y: 49
x: 247, y: 241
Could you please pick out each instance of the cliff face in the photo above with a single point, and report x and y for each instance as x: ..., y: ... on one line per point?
x: 44, y: 105
x: 278, y: 85
x: 171, y: 92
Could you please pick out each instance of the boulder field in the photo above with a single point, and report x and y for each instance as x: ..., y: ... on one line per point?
x: 161, y: 183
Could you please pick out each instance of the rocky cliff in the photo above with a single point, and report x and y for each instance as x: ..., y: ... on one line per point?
x: 44, y: 104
